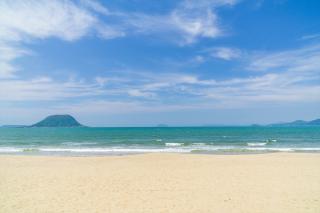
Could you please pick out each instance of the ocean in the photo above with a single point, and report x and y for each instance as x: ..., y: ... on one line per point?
x: 118, y: 141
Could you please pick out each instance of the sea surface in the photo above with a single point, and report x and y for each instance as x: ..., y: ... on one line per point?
x: 117, y: 141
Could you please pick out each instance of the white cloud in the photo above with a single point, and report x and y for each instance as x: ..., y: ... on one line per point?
x: 139, y: 93
x: 7, y: 54
x: 101, y: 80
x: 45, y: 89
x: 102, y: 107
x: 110, y: 32
x: 165, y: 92
x: 194, y: 4
x: 70, y: 20
x: 224, y: 53
x: 195, y: 24
x: 302, y: 59
x: 96, y: 6
x: 290, y: 75
x: 309, y: 37
x: 43, y: 19
x: 198, y: 59
x: 22, y: 21
x: 269, y: 88
x: 185, y: 24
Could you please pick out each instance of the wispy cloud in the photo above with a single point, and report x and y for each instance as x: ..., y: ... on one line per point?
x: 277, y: 77
x: 225, y: 53
x: 309, y: 37
x: 22, y: 21
x: 70, y: 20
x: 306, y: 58
x: 188, y: 22
x: 140, y: 93
x: 46, y: 89
x: 288, y: 76
x: 96, y: 6
x: 7, y: 54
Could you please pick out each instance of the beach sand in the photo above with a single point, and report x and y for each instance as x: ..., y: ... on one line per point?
x: 278, y: 182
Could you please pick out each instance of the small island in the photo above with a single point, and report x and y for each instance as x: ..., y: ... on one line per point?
x: 58, y: 121
x: 315, y: 122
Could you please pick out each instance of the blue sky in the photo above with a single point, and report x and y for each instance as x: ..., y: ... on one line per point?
x: 141, y: 63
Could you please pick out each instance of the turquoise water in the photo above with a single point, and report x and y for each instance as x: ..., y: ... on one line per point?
x: 96, y: 141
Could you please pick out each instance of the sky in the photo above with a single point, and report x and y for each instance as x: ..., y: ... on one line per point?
x: 149, y: 62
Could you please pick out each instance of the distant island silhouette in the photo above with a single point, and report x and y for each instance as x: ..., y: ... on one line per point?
x: 69, y: 121
x: 315, y: 122
x: 58, y: 121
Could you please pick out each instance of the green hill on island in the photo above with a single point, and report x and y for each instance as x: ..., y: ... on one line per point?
x: 58, y: 121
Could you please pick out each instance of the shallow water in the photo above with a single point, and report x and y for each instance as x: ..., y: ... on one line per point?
x: 106, y: 141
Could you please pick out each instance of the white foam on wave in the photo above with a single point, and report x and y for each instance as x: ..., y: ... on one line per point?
x: 113, y: 150
x: 272, y: 149
x: 9, y: 150
x: 96, y: 150
x: 284, y: 149
x: 174, y: 144
x: 78, y: 143
x: 198, y: 144
x: 309, y: 149
x: 184, y: 149
x: 257, y: 144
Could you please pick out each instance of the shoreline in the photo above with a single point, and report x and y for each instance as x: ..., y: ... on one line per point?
x: 161, y: 182
x: 196, y: 152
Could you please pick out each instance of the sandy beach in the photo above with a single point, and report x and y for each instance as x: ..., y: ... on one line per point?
x: 278, y: 182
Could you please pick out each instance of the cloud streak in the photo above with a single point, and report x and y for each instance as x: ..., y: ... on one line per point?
x: 188, y: 22
x: 22, y: 21
x: 287, y: 76
x: 225, y: 53
x: 302, y: 59
x: 45, y: 89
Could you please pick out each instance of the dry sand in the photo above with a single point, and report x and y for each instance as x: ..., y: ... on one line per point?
x: 280, y: 182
